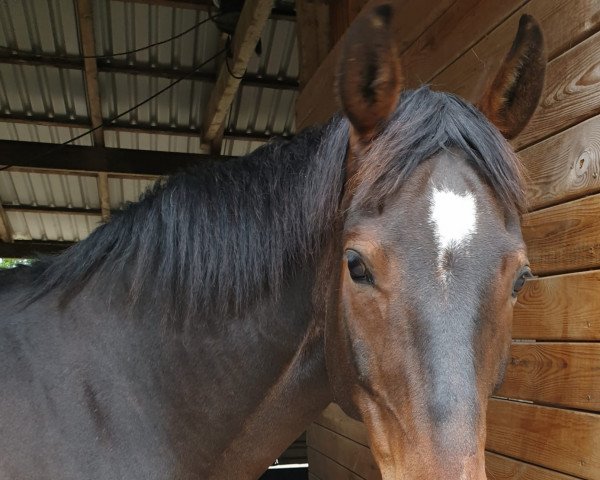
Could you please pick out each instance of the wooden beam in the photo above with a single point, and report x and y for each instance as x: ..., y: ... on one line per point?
x: 5, y: 230
x: 313, y: 32
x: 247, y: 33
x: 8, y: 207
x: 84, y: 14
x: 208, y: 5
x: 74, y: 158
x: 104, y: 66
x: 341, y: 14
x: 83, y: 11
x: 31, y: 248
x: 138, y: 128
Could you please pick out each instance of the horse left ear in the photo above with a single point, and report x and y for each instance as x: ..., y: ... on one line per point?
x: 369, y: 73
x: 513, y: 96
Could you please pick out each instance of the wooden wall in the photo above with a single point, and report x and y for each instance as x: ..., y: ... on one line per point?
x: 545, y: 422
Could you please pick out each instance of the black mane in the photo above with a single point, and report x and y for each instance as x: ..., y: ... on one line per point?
x: 427, y: 122
x: 217, y: 236
x: 220, y: 235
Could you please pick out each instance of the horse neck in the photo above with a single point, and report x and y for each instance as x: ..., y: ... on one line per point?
x: 258, y: 381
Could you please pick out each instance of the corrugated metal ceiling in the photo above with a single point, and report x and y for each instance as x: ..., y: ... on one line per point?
x: 49, y: 94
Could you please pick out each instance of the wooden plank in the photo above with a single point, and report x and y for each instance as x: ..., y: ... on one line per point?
x: 559, y: 374
x: 499, y: 467
x: 30, y: 249
x: 564, y: 440
x: 334, y: 418
x: 562, y: 307
x: 5, y: 230
x: 346, y: 452
x: 327, y: 468
x: 565, y: 166
x: 571, y: 93
x: 565, y: 237
x: 104, y: 196
x: 341, y: 14
x: 313, y: 32
x: 46, y: 209
x: 75, y: 158
x: 453, y: 33
x: 85, y: 22
x: 318, y: 101
x: 565, y: 23
x: 253, y: 18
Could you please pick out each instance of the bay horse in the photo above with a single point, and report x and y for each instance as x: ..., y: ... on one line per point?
x: 373, y: 261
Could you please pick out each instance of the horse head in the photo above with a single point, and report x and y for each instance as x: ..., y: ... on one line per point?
x: 433, y: 253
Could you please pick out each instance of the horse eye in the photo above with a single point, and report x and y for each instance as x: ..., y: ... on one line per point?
x: 520, y: 281
x: 357, y: 268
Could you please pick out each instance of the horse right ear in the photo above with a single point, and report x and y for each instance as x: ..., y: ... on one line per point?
x: 369, y: 73
x: 512, y: 97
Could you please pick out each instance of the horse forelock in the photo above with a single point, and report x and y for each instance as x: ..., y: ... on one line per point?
x: 424, y: 124
x: 215, y: 238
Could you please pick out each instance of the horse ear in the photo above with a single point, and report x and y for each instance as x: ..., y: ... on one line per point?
x: 369, y: 73
x: 513, y: 96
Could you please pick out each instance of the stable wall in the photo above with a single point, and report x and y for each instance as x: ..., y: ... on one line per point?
x: 545, y: 422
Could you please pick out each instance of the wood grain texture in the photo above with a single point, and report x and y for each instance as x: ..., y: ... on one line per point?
x: 341, y: 14
x: 318, y: 100
x: 565, y: 237
x: 571, y: 93
x: 559, y: 374
x: 565, y: 166
x: 5, y: 230
x: 313, y: 32
x: 327, y: 468
x: 564, y: 22
x: 348, y: 453
x: 563, y: 440
x: 459, y: 28
x: 499, y: 467
x: 334, y: 418
x: 253, y: 18
x: 85, y: 22
x: 562, y: 307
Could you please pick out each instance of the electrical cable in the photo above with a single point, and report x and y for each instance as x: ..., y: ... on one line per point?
x: 129, y: 110
x: 13, y: 51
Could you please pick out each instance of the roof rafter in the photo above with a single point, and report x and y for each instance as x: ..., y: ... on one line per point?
x: 208, y: 5
x: 250, y: 25
x: 104, y: 66
x: 84, y: 14
x: 5, y: 230
x: 75, y: 158
x: 30, y: 248
x: 124, y: 127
